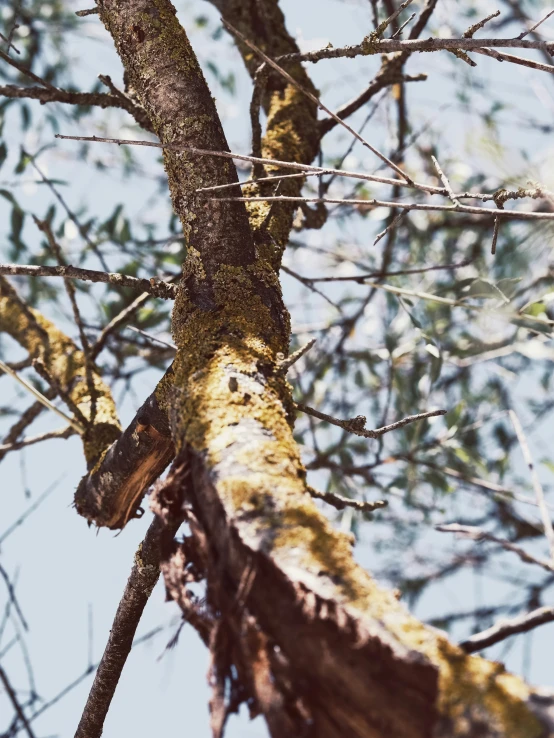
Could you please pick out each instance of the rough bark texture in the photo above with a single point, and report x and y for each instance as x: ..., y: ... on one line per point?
x: 323, y: 651
x: 65, y: 364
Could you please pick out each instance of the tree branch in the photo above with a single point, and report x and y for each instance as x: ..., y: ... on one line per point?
x: 142, y: 580
x: 153, y: 286
x: 506, y: 628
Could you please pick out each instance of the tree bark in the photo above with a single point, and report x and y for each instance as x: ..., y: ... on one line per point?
x: 320, y: 648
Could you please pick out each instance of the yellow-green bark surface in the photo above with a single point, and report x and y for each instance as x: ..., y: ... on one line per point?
x: 65, y: 363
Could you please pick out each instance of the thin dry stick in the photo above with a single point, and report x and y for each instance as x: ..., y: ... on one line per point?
x: 503, y: 56
x: 391, y: 226
x: 533, y: 28
x: 398, y: 33
x: 539, y: 493
x: 308, y: 283
x: 373, y: 203
x: 484, y: 196
x: 141, y: 582
x: 495, y: 235
x: 15, y: 703
x: 357, y: 425
x: 388, y: 45
x: 446, y: 183
x: 41, y: 398
x: 118, y: 320
x: 256, y: 180
x: 315, y: 100
x: 477, y: 26
x: 477, y: 534
x: 154, y: 286
x: 152, y: 338
x: 44, y: 226
x: 382, y: 27
x: 66, y: 432
x: 506, y: 628
x: 340, y: 503
x: 48, y: 182
x: 286, y: 364
x: 374, y: 275
x: 27, y: 72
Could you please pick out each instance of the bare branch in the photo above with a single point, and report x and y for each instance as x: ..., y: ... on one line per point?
x: 315, y: 100
x: 357, y: 425
x: 539, y: 493
x: 141, y: 582
x: 370, y: 47
x: 382, y: 27
x: 534, y: 28
x: 66, y: 432
x: 84, y: 13
x: 15, y: 703
x: 477, y: 26
x: 41, y: 398
x: 485, y: 197
x: 506, y: 628
x: 477, y: 534
x: 153, y: 286
x: 286, y: 364
x: 340, y: 503
x: 117, y: 321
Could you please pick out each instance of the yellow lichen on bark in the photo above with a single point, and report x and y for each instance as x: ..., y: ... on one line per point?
x: 65, y: 363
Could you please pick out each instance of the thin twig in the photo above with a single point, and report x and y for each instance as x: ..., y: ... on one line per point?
x: 533, y: 28
x: 41, y: 398
x: 373, y: 203
x: 84, y: 13
x: 44, y: 226
x: 340, y: 503
x: 391, y: 226
x: 117, y: 321
x: 94, y: 247
x: 357, y: 425
x: 375, y: 275
x: 316, y: 100
x: 477, y: 534
x: 64, y: 433
x: 387, y: 45
x: 382, y: 27
x: 495, y: 235
x: 15, y: 703
x: 282, y: 164
x: 398, y: 33
x: 521, y: 61
x: 539, y: 493
x: 477, y: 26
x: 12, y: 597
x: 154, y: 286
x: 152, y: 338
x: 29, y: 511
x: 308, y: 283
x: 446, y: 183
x: 506, y: 628
x: 286, y: 364
x: 27, y: 72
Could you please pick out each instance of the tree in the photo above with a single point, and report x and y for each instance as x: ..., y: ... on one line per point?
x: 296, y: 628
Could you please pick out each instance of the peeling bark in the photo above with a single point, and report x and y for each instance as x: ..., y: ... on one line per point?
x: 111, y: 493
